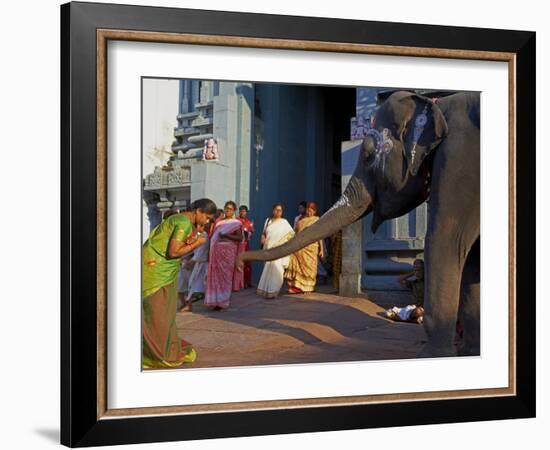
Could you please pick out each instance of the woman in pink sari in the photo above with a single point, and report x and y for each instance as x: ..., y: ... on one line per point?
x: 225, y: 245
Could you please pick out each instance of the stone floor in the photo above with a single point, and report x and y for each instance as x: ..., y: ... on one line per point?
x: 316, y: 327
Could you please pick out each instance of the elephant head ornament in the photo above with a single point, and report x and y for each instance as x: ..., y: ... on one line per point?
x: 387, y: 178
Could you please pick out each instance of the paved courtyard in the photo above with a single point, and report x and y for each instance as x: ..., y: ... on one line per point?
x: 316, y: 327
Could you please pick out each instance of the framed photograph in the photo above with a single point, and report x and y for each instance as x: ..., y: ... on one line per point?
x: 292, y: 224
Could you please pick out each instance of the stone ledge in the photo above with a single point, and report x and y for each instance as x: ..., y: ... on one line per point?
x: 384, y: 245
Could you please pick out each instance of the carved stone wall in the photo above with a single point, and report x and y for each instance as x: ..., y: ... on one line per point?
x: 207, y: 109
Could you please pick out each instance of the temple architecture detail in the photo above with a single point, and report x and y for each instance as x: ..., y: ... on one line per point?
x: 208, y: 110
x: 272, y: 143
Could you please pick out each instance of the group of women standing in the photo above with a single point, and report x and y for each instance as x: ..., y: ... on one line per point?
x: 298, y: 269
x: 215, y: 244
x: 230, y: 235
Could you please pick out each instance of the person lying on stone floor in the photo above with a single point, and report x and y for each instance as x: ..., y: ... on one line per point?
x: 409, y: 313
x: 414, y: 281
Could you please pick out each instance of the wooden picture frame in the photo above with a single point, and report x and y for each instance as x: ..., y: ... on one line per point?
x: 86, y: 28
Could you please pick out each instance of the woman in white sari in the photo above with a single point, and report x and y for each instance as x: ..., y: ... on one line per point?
x: 276, y: 232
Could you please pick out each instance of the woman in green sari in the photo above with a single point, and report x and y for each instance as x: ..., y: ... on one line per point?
x: 162, y: 254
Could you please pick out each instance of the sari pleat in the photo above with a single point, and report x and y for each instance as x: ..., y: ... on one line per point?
x: 161, y: 345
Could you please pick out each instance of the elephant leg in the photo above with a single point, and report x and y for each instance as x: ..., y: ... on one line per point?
x: 469, y: 304
x: 442, y: 271
x: 453, y: 228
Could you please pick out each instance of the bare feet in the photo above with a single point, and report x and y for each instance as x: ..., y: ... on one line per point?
x: 188, y: 307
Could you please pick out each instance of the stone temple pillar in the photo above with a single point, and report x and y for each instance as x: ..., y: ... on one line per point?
x: 352, y: 235
x: 350, y: 278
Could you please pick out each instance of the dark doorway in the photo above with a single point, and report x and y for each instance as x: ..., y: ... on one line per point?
x: 296, y: 154
x: 339, y: 109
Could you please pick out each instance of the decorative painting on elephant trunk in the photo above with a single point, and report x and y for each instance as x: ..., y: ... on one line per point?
x: 295, y: 224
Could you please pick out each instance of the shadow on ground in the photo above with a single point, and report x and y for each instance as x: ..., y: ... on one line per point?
x: 308, y: 328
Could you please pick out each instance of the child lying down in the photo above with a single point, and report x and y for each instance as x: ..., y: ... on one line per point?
x: 409, y: 313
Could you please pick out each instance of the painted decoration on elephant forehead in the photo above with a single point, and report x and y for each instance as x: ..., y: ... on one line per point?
x: 383, y: 145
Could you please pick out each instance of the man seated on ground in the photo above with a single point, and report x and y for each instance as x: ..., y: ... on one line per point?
x: 415, y: 311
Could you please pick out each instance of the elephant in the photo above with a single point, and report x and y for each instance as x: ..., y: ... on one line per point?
x: 420, y: 149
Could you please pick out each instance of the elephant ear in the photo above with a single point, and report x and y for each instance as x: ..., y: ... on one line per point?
x: 425, y: 130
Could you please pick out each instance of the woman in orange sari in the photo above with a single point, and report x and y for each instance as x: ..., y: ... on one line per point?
x: 222, y: 278
x: 301, y: 274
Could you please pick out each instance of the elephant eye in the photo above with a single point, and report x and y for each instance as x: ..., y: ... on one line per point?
x: 398, y: 129
x: 403, y: 133
x: 404, y: 130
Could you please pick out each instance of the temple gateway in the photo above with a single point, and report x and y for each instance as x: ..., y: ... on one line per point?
x: 259, y: 143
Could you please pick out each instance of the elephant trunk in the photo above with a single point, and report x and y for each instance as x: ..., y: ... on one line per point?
x: 352, y: 205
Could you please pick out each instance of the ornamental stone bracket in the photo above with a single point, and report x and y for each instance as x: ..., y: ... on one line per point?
x: 166, y: 188
x: 167, y: 177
